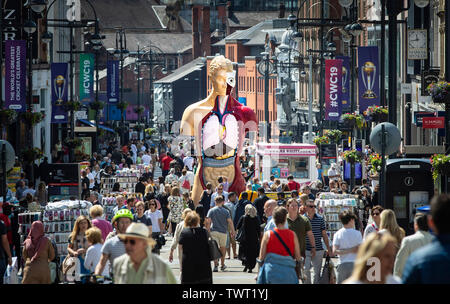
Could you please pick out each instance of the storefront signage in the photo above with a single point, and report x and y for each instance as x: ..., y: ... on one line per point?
x: 428, y: 77
x: 15, y: 75
x: 433, y: 122
x: 333, y: 89
x: 368, y: 77
x: 287, y: 152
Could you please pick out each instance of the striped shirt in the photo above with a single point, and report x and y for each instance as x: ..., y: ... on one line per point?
x: 318, y: 225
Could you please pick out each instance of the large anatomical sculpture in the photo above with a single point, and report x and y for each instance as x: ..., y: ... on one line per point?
x: 219, y: 124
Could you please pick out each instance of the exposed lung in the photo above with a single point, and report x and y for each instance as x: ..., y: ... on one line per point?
x: 220, y: 137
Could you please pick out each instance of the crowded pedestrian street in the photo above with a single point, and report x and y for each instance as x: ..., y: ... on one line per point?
x: 241, y: 144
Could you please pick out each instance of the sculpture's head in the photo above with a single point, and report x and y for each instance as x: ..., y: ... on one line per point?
x: 222, y: 75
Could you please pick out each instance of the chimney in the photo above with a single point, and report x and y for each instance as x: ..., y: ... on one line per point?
x: 222, y: 14
x: 205, y: 32
x: 196, y: 48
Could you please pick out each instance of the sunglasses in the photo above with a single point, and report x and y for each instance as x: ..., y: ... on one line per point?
x: 311, y: 206
x: 152, y: 204
x: 376, y: 213
x: 131, y: 241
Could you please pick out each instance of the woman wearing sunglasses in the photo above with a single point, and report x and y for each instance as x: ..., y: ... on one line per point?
x: 374, y: 222
x: 156, y: 218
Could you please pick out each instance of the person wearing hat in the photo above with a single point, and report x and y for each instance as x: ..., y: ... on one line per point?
x: 113, y: 246
x: 139, y: 265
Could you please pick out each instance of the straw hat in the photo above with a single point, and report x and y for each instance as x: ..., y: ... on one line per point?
x: 137, y: 230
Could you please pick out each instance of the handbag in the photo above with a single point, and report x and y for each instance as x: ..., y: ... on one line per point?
x: 186, y: 184
x: 68, y: 263
x: 327, y: 276
x: 298, y: 264
x: 214, y: 251
x: 240, y: 236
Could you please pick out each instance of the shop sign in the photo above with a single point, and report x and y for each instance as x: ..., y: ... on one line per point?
x: 433, y: 122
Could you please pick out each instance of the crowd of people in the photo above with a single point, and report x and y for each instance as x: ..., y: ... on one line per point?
x: 283, y: 240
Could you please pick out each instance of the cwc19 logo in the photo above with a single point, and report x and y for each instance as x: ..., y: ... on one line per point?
x: 74, y: 12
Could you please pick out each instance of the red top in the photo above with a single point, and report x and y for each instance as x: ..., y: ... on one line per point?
x: 7, y: 223
x: 166, y: 162
x: 293, y: 185
x: 275, y: 246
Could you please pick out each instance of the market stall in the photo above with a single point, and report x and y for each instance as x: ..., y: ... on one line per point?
x: 282, y: 160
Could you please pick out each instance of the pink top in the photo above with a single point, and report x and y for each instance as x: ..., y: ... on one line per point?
x: 104, y: 226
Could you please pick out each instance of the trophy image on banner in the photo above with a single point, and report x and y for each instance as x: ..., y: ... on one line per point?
x: 344, y: 79
x: 368, y: 72
x: 60, y: 84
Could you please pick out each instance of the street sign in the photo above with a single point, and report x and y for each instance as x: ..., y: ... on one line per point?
x: 406, y: 88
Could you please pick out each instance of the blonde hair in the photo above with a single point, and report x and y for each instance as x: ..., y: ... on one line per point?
x: 96, y: 211
x: 76, y: 227
x: 149, y: 189
x: 140, y: 203
x: 372, y: 247
x: 250, y: 210
x: 94, y: 235
x: 219, y: 63
x: 388, y: 221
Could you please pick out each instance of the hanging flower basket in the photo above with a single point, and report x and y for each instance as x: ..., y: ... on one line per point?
x: 138, y: 128
x: 352, y: 156
x: 353, y: 120
x: 334, y: 135
x: 440, y: 165
x: 73, y: 143
x: 30, y: 155
x: 72, y: 105
x: 96, y: 105
x: 150, y: 131
x: 377, y: 114
x: 139, y: 110
x: 7, y: 117
x: 122, y: 106
x: 439, y: 91
x: 320, y: 140
x: 375, y: 161
x: 33, y: 118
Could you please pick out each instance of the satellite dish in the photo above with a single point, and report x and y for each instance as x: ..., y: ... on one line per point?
x: 10, y: 155
x: 392, y: 139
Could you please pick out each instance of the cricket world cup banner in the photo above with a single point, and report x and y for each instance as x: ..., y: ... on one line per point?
x: 345, y: 93
x: 15, y: 75
x: 59, y: 84
x: 333, y: 89
x: 368, y: 77
x: 86, y: 78
x: 113, y: 81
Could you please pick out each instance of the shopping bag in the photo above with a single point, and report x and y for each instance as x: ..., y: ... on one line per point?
x: 214, y: 251
x: 328, y: 275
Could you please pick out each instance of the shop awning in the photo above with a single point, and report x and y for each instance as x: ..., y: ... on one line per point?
x: 106, y: 128
x: 86, y: 122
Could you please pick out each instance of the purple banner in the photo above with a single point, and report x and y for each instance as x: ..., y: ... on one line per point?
x: 113, y: 81
x: 333, y: 88
x: 345, y: 93
x: 15, y: 75
x: 368, y: 77
x: 59, y: 86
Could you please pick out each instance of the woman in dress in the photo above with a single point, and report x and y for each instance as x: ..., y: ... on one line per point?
x: 163, y: 200
x: 176, y: 207
x: 78, y: 243
x: 205, y: 199
x: 176, y: 237
x: 248, y: 225
x: 193, y: 243
x: 37, y: 252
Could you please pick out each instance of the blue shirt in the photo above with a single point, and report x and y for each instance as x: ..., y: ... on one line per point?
x: 429, y: 264
x: 219, y: 219
x: 317, y: 225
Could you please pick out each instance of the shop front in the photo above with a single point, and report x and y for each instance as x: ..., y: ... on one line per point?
x: 282, y: 160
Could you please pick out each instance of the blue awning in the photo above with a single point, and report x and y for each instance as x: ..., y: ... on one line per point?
x: 87, y: 122
x: 106, y: 128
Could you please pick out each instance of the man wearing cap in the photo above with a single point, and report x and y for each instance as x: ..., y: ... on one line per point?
x: 139, y: 265
x: 113, y: 246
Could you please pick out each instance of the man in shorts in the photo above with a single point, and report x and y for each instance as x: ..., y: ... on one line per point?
x: 217, y: 222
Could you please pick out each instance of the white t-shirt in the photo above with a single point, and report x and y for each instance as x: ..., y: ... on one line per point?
x: 91, y: 178
x: 146, y: 159
x: 154, y: 216
x: 189, y: 162
x: 332, y: 172
x: 370, y: 228
x: 346, y: 238
x: 93, y: 255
